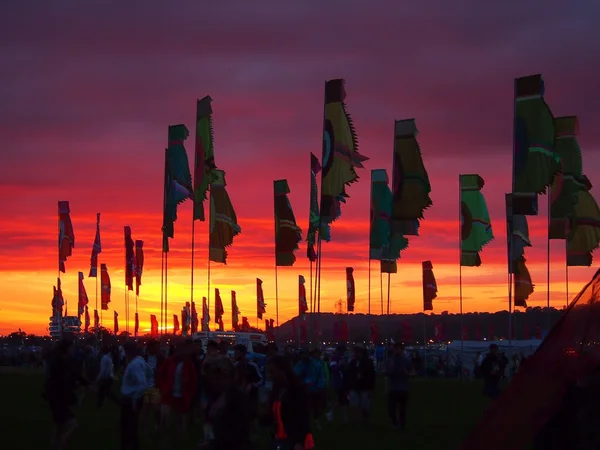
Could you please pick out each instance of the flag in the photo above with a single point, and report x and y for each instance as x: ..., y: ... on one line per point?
x: 82, y: 301
x: 302, y: 305
x: 105, y: 287
x: 139, y: 265
x: 340, y: 155
x: 185, y: 319
x: 223, y: 220
x: 178, y: 180
x: 96, y: 250
x: 136, y: 328
x: 129, y: 258
x: 287, y: 233
x: 194, y: 318
x: 313, y: 219
x: 534, y: 160
x: 429, y: 286
x: 583, y: 235
x: 57, y: 300
x: 175, y: 323
x: 204, y: 161
x: 523, y: 284
x: 116, y: 323
x: 219, y: 311
x: 153, y: 327
x: 235, y: 312
x: 205, y: 315
x: 567, y: 182
x: 350, y: 291
x: 476, y: 226
x: 383, y: 245
x: 517, y: 232
x: 245, y: 325
x: 86, y: 320
x: 374, y: 334
x: 410, y: 181
x: 261, y: 306
x: 66, y: 236
x: 96, y: 320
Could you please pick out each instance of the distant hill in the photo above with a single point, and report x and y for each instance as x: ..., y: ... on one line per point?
x: 413, y: 328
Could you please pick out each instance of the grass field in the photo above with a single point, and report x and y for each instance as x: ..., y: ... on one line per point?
x: 440, y: 413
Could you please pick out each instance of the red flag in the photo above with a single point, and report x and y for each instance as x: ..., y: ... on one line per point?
x: 153, y: 327
x: 374, y: 333
x: 406, y: 331
x: 82, y: 301
x: 96, y: 320
x: 219, y: 310
x: 351, y: 295
x: 116, y: 323
x: 429, y: 286
x: 344, y: 331
x: 302, y: 305
x: 439, y: 332
x: 139, y: 265
x: 261, y: 306
x: 66, y: 236
x: 129, y: 259
x: 136, y: 327
x: 87, y: 320
x: 465, y: 333
x: 105, y: 286
x: 303, y: 333
x: 175, y: 323
x: 96, y: 250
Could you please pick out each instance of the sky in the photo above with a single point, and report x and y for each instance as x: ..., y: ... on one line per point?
x: 89, y: 88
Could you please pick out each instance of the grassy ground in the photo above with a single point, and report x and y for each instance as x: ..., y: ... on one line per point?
x: 440, y: 413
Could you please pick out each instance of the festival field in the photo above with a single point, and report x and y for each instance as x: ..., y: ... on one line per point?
x: 440, y: 413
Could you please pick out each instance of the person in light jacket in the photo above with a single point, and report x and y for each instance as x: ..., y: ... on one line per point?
x: 134, y: 385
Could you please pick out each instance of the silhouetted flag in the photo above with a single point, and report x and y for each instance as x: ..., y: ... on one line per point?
x: 476, y: 226
x: 219, y: 311
x: 287, y: 233
x: 66, y: 236
x: 350, y: 290
x: 302, y: 305
x: 129, y: 258
x: 105, y: 287
x: 139, y: 265
x: 235, y: 312
x: 313, y: 220
x: 204, y: 161
x: 82, y: 300
x: 429, y: 286
x: 261, y: 306
x: 96, y: 250
x: 116, y: 322
x: 175, y: 323
x: 223, y: 220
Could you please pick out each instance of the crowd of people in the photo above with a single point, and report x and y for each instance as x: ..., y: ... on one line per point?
x: 231, y: 394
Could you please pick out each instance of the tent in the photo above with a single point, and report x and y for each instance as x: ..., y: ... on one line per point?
x: 570, y: 352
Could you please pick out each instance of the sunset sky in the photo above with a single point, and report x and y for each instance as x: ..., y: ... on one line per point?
x: 88, y: 89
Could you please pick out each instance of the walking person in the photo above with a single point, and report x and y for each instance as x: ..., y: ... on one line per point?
x: 151, y: 405
x: 105, y: 379
x: 399, y: 370
x: 338, y: 367
x: 135, y: 383
x: 361, y: 382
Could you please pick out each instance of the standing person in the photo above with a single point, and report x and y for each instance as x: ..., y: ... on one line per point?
x: 105, y: 378
x: 61, y: 384
x: 272, y: 352
x: 228, y: 416
x: 398, y: 370
x: 491, y: 372
x: 134, y: 385
x: 176, y: 381
x: 310, y: 371
x: 361, y: 382
x: 151, y: 403
x: 248, y: 377
x: 289, y: 408
x: 338, y: 367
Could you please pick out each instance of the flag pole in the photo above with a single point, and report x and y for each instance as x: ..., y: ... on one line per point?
x: 162, y: 282
x: 192, y: 256
x: 275, y: 251
x: 567, y: 274
x: 165, y: 242
x: 381, y: 289
x: 388, y: 304
x: 166, y: 292
x: 548, y: 193
x: 210, y: 202
x: 371, y: 218
x: 319, y: 239
x: 460, y: 287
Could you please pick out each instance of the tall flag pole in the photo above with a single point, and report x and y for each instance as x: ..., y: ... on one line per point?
x: 96, y: 250
x: 535, y: 163
x: 204, y: 164
x: 475, y: 228
x: 287, y: 233
x: 313, y: 227
x: 178, y: 188
x: 410, y: 189
x: 139, y: 270
x: 339, y: 160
